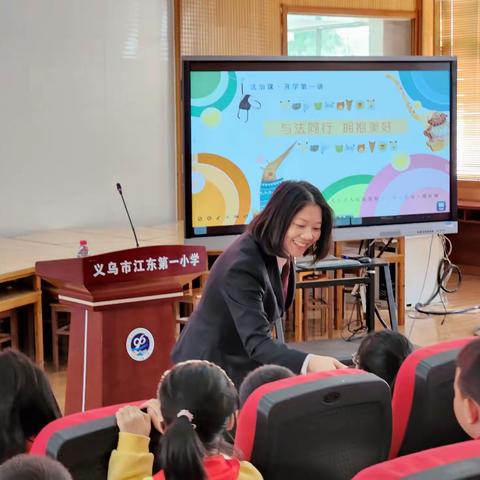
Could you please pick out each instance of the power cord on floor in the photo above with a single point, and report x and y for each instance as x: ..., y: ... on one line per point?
x: 446, y: 270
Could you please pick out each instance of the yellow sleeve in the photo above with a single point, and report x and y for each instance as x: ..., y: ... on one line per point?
x: 249, y: 472
x: 131, y: 460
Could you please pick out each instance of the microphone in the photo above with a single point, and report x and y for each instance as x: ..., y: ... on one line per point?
x: 119, y: 188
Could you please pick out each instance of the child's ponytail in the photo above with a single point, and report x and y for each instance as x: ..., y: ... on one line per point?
x: 182, y: 451
x: 197, y: 400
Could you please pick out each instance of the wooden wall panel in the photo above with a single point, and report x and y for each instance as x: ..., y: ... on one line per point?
x: 230, y: 27
x: 469, y: 190
x: 252, y: 27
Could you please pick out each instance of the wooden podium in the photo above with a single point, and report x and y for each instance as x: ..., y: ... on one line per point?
x: 122, y: 323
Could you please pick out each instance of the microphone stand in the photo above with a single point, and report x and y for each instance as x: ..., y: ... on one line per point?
x: 119, y: 188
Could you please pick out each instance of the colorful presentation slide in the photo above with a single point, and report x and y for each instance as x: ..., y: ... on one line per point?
x: 376, y: 143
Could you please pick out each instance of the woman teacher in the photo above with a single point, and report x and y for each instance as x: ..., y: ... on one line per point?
x: 252, y: 284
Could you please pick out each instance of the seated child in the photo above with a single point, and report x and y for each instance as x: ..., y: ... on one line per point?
x: 27, y: 403
x: 197, y: 403
x: 382, y: 353
x: 466, y: 403
x: 33, y: 467
x: 260, y: 376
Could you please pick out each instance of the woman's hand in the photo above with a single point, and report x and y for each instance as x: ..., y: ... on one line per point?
x: 319, y: 363
x: 131, y: 419
x: 153, y: 409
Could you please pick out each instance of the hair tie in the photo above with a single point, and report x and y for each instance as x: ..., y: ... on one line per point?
x: 188, y: 415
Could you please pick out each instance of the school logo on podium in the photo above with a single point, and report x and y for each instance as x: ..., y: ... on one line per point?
x: 140, y: 344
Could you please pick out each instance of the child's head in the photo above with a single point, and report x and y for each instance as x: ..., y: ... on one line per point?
x: 260, y: 376
x: 382, y: 353
x: 198, y: 402
x: 27, y: 403
x: 33, y: 467
x: 467, y: 389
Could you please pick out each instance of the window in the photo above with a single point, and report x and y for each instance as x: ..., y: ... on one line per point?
x: 328, y: 35
x: 458, y: 33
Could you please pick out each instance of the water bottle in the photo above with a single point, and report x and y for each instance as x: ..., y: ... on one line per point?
x: 83, y: 249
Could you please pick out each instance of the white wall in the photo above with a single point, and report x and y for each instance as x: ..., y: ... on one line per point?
x: 86, y: 100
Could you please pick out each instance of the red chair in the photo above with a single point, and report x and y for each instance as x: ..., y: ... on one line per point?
x: 324, y: 425
x: 460, y: 461
x: 81, y: 441
x: 422, y: 409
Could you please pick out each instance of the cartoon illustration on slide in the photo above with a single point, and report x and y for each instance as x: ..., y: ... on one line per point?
x: 398, y: 184
x: 269, y: 177
x: 212, y: 92
x: 246, y: 103
x: 437, y: 131
x: 346, y: 195
x: 435, y: 123
x: 220, y: 191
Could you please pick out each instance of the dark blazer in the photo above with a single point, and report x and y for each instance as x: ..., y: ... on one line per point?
x: 232, y: 324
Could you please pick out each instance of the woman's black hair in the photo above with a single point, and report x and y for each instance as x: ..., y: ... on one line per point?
x: 260, y: 376
x: 270, y: 226
x: 382, y: 353
x: 27, y: 402
x: 33, y: 467
x: 204, y: 391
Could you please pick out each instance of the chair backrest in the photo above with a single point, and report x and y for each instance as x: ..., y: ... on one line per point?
x: 422, y: 407
x: 81, y: 441
x: 460, y: 461
x: 321, y: 425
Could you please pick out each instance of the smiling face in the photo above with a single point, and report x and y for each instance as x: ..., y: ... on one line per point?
x: 304, y: 230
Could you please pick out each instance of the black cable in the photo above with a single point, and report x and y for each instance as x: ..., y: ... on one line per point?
x: 360, y: 247
x: 428, y: 267
x: 355, y: 327
x: 362, y: 327
x: 445, y: 270
x: 384, y: 247
x: 446, y: 312
x: 379, y: 254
